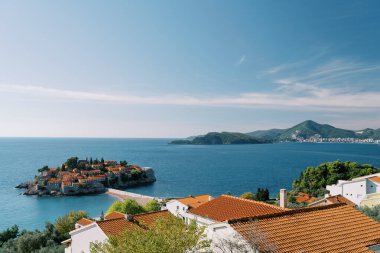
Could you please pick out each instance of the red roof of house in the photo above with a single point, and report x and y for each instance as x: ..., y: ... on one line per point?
x: 337, y: 228
x: 375, y: 179
x: 117, y: 226
x: 228, y: 207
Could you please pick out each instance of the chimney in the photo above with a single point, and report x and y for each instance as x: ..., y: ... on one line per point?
x: 129, y: 217
x: 283, y: 198
x: 209, y: 198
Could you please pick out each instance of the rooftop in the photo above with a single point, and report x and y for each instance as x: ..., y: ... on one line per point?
x: 85, y: 222
x: 337, y: 228
x: 195, y: 201
x: 117, y: 226
x: 375, y: 179
x: 228, y: 207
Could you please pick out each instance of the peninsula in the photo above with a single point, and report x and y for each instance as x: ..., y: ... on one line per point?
x: 307, y: 131
x: 222, y: 138
x: 79, y: 177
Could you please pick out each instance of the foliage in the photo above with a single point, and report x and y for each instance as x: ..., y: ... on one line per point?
x: 36, y: 241
x: 129, y: 206
x: 43, y: 168
x: 66, y: 223
x: 152, y: 206
x: 123, y: 163
x: 72, y: 162
x: 168, y: 235
x: 314, y: 179
x: 247, y: 195
x: 10, y: 233
x: 373, y: 212
x: 81, y: 165
x: 262, y: 194
x: 135, y: 174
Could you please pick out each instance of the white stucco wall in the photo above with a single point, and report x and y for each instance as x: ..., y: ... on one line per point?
x: 223, y: 236
x: 355, y: 191
x: 82, y: 237
x: 177, y: 208
x: 372, y: 187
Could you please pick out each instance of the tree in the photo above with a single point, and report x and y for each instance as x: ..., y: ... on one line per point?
x: 169, y: 235
x: 262, y: 194
x: 152, y: 206
x: 129, y: 206
x: 10, y: 233
x: 372, y: 212
x: 135, y: 174
x: 247, y: 195
x: 91, y: 160
x: 43, y: 168
x: 82, y: 166
x: 67, y: 222
x: 72, y: 162
x: 313, y: 180
x: 123, y: 163
x: 102, y: 161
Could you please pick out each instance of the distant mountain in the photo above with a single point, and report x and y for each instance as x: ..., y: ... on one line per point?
x: 270, y: 134
x: 305, y: 130
x: 222, y: 138
x: 309, y: 128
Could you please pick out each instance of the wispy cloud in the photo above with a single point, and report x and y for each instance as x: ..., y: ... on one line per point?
x: 241, y: 60
x: 295, y: 97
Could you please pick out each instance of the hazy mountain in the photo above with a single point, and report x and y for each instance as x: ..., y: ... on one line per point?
x: 215, y: 138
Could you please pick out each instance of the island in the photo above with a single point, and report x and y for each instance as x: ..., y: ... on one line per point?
x: 79, y: 177
x: 223, y: 138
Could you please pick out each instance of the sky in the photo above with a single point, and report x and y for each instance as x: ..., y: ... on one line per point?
x: 181, y: 68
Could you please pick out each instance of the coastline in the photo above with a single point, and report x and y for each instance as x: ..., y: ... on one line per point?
x: 124, y: 195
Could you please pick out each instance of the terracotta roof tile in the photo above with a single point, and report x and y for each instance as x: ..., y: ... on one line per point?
x: 228, y: 207
x: 85, y: 222
x: 195, y: 201
x: 375, y: 179
x: 338, y: 199
x: 337, y: 228
x: 117, y: 226
x: 114, y: 215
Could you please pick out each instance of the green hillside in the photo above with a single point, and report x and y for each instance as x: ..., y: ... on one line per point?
x: 310, y: 128
x: 267, y: 134
x: 223, y: 138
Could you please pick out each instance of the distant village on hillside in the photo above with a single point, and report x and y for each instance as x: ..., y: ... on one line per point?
x: 87, y: 176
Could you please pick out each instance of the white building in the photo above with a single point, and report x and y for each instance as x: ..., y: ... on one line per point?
x: 88, y: 231
x: 358, y: 190
x: 180, y: 207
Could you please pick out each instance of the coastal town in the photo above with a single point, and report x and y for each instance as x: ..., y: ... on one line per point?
x: 87, y: 176
x: 332, y: 223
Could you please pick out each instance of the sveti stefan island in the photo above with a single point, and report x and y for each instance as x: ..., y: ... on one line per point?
x: 190, y: 126
x: 87, y: 176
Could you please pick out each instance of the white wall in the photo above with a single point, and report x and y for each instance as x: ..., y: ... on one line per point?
x: 372, y: 187
x: 355, y: 191
x: 224, y: 239
x: 82, y: 237
x: 177, y: 208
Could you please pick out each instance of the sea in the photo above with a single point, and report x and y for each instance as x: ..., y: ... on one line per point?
x: 181, y: 170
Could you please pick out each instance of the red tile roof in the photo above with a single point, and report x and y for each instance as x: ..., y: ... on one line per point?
x: 117, y: 226
x: 195, y: 201
x: 338, y: 199
x: 228, y: 207
x: 337, y: 228
x: 375, y: 179
x: 85, y: 222
x: 114, y: 215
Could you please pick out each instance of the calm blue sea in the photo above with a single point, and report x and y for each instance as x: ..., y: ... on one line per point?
x: 180, y: 170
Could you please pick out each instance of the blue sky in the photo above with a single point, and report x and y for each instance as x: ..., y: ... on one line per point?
x: 179, y: 68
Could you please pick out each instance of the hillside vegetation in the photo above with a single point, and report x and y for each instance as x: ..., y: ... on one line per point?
x: 313, y: 180
x: 215, y: 138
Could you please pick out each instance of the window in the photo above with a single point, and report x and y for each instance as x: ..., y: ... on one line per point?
x: 177, y: 207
